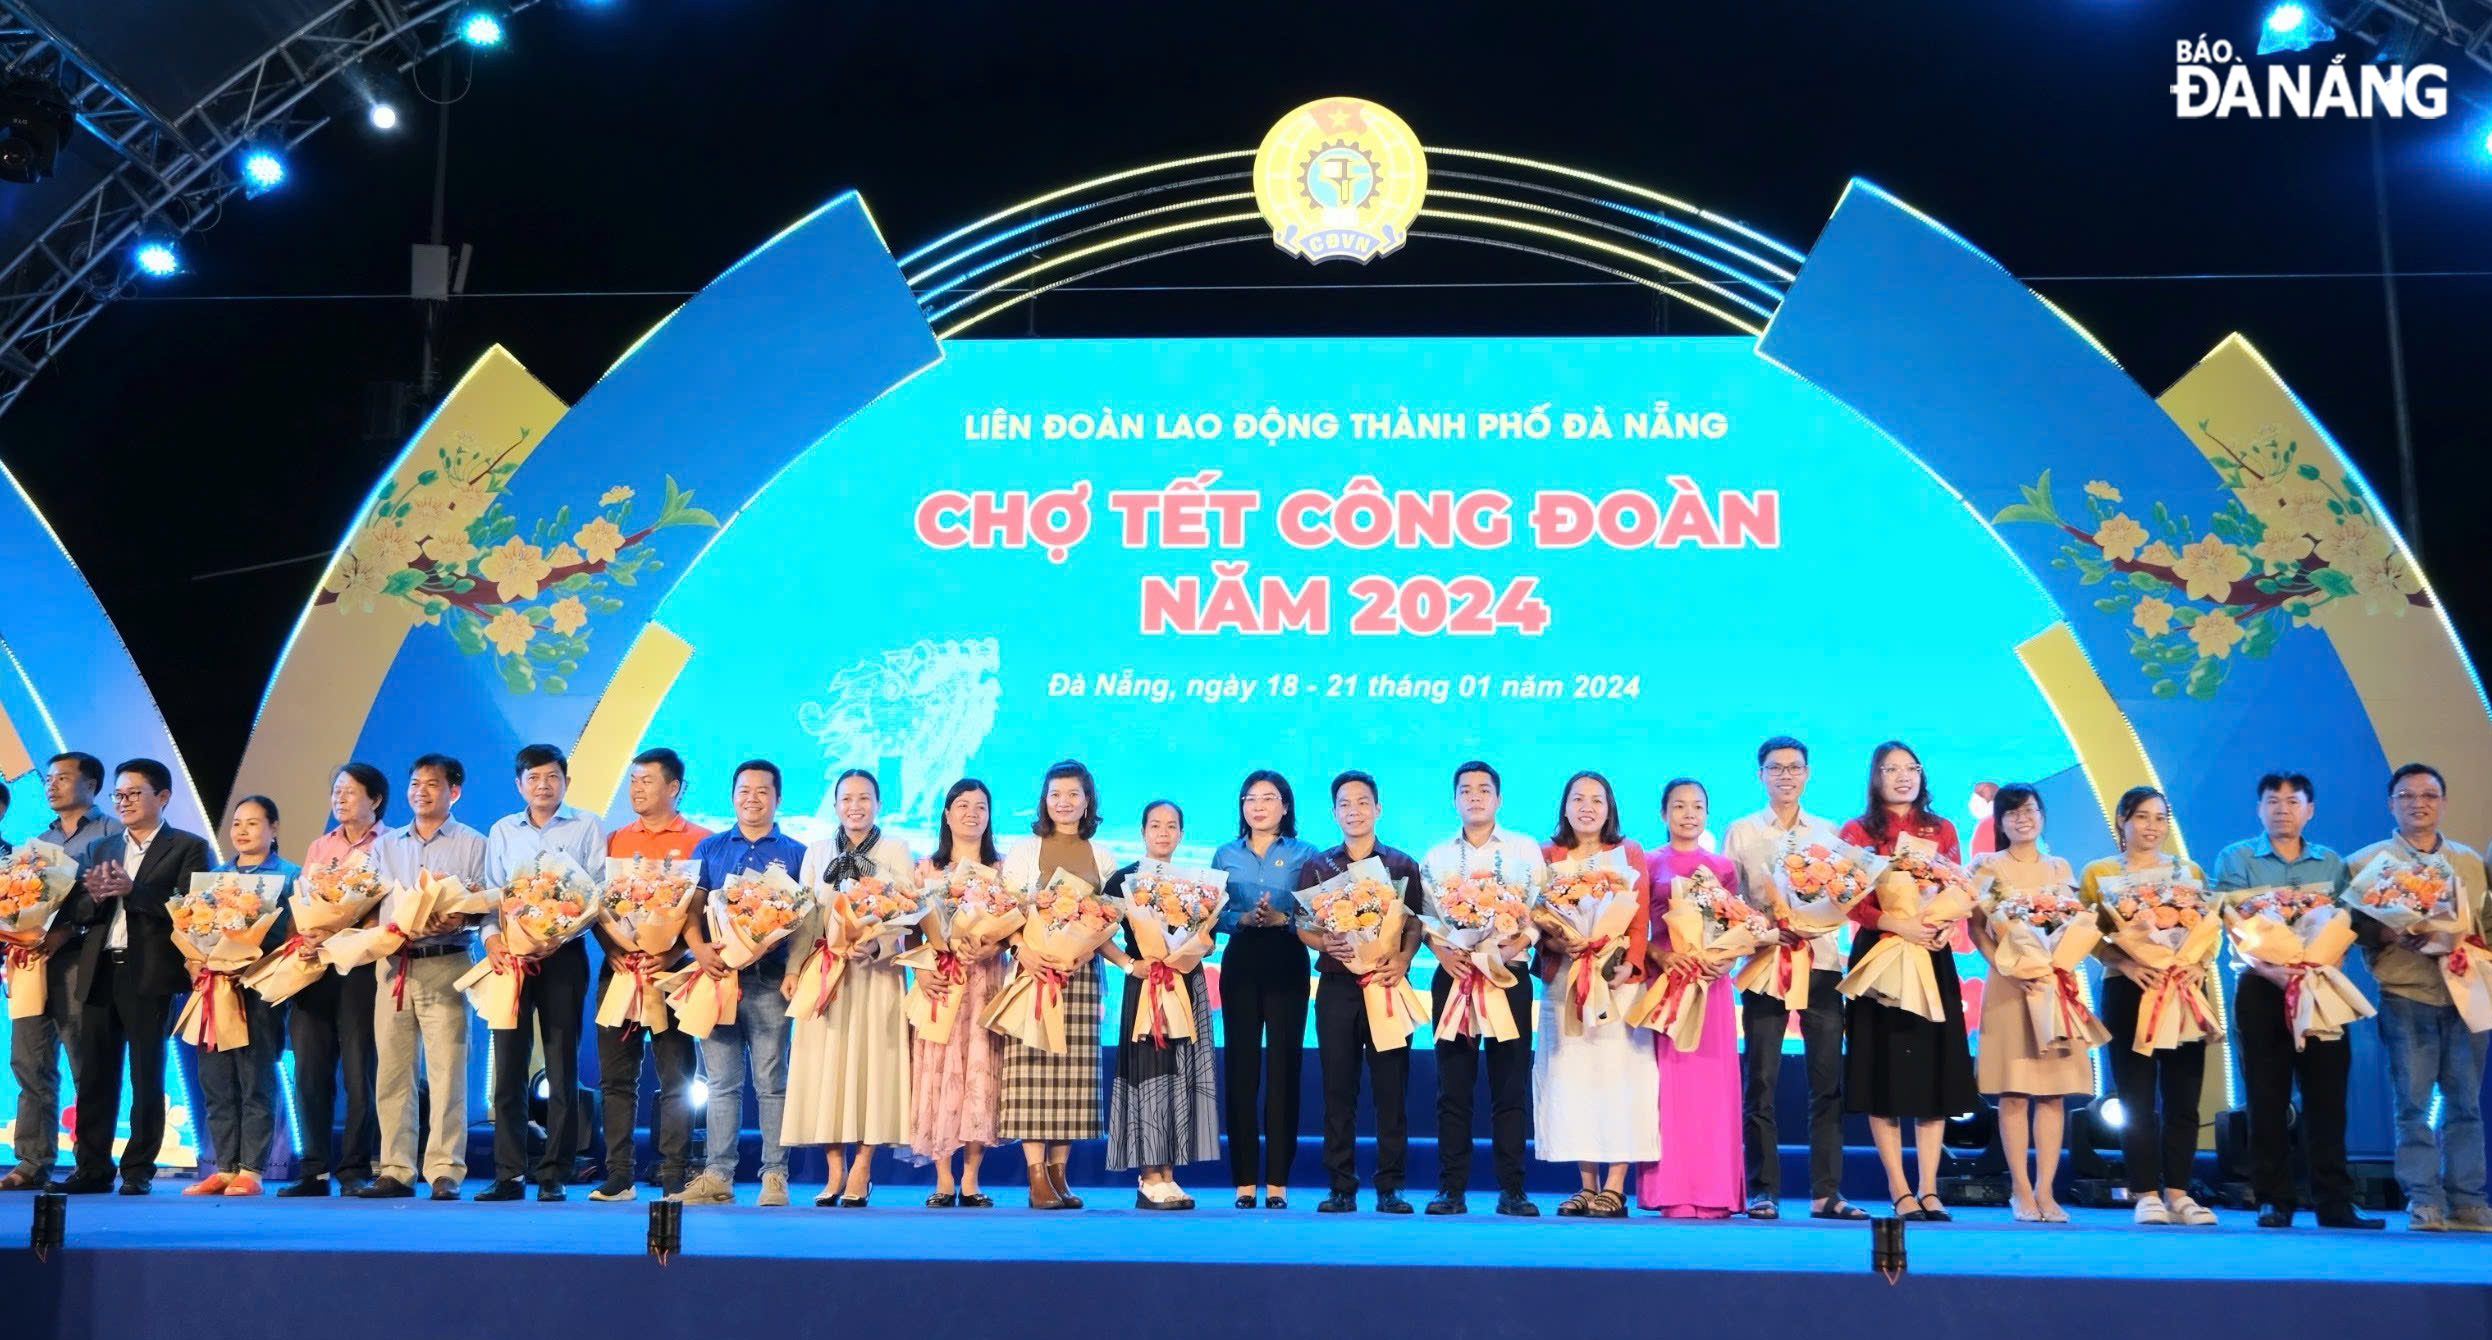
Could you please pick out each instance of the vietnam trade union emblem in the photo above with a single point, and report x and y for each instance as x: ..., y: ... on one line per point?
x: 1340, y: 179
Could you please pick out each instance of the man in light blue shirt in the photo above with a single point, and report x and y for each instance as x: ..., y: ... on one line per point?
x: 553, y: 987
x: 418, y: 1011
x: 2262, y: 1029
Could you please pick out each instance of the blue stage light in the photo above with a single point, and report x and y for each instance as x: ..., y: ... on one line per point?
x: 263, y: 170
x: 2292, y: 27
x: 384, y: 116
x: 481, y: 29
x: 157, y: 259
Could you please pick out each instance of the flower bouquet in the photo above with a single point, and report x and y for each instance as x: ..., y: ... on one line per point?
x: 328, y: 898
x: 1475, y: 916
x: 858, y: 911
x: 2295, y: 936
x: 2040, y: 937
x: 549, y: 901
x: 34, y: 882
x: 1362, y: 905
x: 1066, y: 923
x: 2163, y: 922
x: 2422, y: 896
x: 1815, y: 887
x: 967, y: 910
x: 1718, y: 927
x: 750, y: 916
x: 1594, y: 899
x: 645, y: 905
x: 404, y: 914
x: 221, y: 925
x: 1170, y: 910
x: 1895, y: 971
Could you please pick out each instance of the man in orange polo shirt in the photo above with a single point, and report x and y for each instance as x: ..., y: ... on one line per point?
x: 659, y: 833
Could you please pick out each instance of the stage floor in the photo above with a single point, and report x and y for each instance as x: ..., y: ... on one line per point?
x: 213, y: 1267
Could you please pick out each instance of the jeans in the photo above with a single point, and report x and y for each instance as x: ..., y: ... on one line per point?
x: 240, y: 1087
x: 1764, y: 1019
x: 35, y: 1048
x: 760, y: 1032
x: 2427, y: 1045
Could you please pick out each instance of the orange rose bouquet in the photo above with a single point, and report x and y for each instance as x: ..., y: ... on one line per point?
x: 328, y: 898
x: 968, y: 912
x: 404, y: 912
x: 1717, y: 928
x: 747, y: 919
x: 1364, y: 908
x: 2422, y: 896
x: 1896, y: 971
x: 34, y: 882
x: 549, y: 902
x: 1476, y: 916
x: 859, y: 913
x: 2296, y: 937
x: 2039, y: 938
x: 2164, y: 922
x: 1594, y: 901
x: 1171, y: 911
x: 1815, y: 887
x: 1066, y: 923
x: 221, y: 926
x: 644, y: 907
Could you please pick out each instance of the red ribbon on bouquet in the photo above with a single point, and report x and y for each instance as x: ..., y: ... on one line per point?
x: 2191, y: 1000
x: 1591, y: 965
x: 639, y: 966
x: 398, y: 987
x: 1392, y: 1007
x: 1783, y: 955
x: 2072, y: 1008
x: 1674, y: 988
x: 2457, y: 955
x: 1157, y: 978
x: 948, y: 968
x: 203, y: 985
x: 825, y: 988
x: 1050, y: 984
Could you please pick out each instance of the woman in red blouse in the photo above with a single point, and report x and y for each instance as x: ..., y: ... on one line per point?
x: 1897, y: 1064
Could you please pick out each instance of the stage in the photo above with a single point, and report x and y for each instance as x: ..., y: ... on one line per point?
x: 213, y: 1268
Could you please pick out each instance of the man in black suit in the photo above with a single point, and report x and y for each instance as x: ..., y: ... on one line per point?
x: 129, y: 973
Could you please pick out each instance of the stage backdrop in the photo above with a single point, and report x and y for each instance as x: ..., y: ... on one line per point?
x: 1922, y: 504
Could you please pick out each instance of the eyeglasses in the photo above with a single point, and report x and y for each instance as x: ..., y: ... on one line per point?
x: 2415, y: 797
x: 1900, y: 770
x: 1785, y: 769
x: 119, y: 796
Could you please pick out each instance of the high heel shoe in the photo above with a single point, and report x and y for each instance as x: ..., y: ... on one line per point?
x: 1065, y: 1199
x: 1043, y: 1191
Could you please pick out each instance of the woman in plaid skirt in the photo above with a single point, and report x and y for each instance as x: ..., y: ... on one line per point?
x: 1052, y: 1099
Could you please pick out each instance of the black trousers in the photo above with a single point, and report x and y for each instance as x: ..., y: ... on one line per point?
x: 331, y: 1029
x: 1509, y: 1093
x: 618, y: 1086
x: 2160, y: 1150
x: 1342, y: 1045
x: 552, y: 1003
x: 1764, y: 1019
x: 119, y: 1017
x: 2263, y: 1037
x: 1263, y: 1008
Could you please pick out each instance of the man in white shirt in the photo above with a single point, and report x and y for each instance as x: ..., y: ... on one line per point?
x: 1755, y: 843
x: 1511, y: 858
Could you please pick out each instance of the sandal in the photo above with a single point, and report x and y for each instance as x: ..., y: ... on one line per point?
x: 1839, y: 1208
x: 1576, y: 1206
x: 1608, y: 1204
x: 1937, y: 1216
x: 1913, y: 1215
x: 1763, y: 1207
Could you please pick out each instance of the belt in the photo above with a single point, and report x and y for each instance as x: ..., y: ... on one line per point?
x: 432, y: 951
x: 119, y: 955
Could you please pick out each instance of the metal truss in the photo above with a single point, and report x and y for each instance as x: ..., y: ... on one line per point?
x: 174, y: 175
x: 2464, y: 24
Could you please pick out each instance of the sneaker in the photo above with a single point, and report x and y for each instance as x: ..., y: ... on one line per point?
x: 245, y: 1183
x: 2150, y: 1210
x: 2471, y: 1219
x: 2190, y: 1212
x: 616, y: 1188
x: 707, y: 1189
x: 2425, y: 1219
x: 212, y: 1185
x: 773, y: 1189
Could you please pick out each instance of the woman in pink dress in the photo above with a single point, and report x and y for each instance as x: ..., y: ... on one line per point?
x: 956, y: 1086
x: 1700, y: 1173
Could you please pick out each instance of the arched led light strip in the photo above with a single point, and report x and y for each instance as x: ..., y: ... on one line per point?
x: 1075, y: 189
x: 1027, y: 272
x: 963, y: 283
x: 1471, y: 197
x: 938, y: 267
